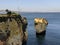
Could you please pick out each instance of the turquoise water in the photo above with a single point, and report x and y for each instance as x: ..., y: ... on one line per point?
x: 52, y: 36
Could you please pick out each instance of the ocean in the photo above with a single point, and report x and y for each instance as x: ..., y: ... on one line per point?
x: 52, y: 36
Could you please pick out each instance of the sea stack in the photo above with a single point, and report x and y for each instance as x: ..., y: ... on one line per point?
x: 40, y: 25
x: 12, y: 28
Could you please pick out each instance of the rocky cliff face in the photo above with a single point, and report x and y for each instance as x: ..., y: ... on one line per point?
x: 13, y: 29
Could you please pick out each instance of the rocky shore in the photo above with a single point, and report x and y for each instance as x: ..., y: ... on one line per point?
x: 12, y: 29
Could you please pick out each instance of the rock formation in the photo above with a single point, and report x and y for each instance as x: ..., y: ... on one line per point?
x: 12, y: 29
x: 40, y: 25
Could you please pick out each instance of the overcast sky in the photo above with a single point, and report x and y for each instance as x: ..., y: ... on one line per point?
x: 31, y: 5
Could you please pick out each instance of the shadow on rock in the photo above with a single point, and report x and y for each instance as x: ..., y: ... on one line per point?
x: 42, y: 33
x: 24, y: 43
x: 40, y: 39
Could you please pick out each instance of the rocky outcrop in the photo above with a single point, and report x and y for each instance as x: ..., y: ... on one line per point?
x: 40, y: 25
x: 24, y: 19
x: 13, y: 29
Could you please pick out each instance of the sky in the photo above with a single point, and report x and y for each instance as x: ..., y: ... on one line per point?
x: 31, y: 5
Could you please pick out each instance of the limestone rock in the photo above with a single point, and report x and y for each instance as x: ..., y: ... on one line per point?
x: 13, y: 28
x: 40, y: 25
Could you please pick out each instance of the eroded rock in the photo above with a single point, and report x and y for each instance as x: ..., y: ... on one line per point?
x: 40, y: 25
x: 13, y: 29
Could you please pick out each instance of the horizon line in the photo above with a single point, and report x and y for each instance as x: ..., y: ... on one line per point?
x: 31, y: 11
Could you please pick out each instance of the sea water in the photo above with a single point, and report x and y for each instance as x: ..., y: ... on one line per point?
x: 52, y: 36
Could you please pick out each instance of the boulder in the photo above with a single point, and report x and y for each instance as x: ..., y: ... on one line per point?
x: 40, y: 25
